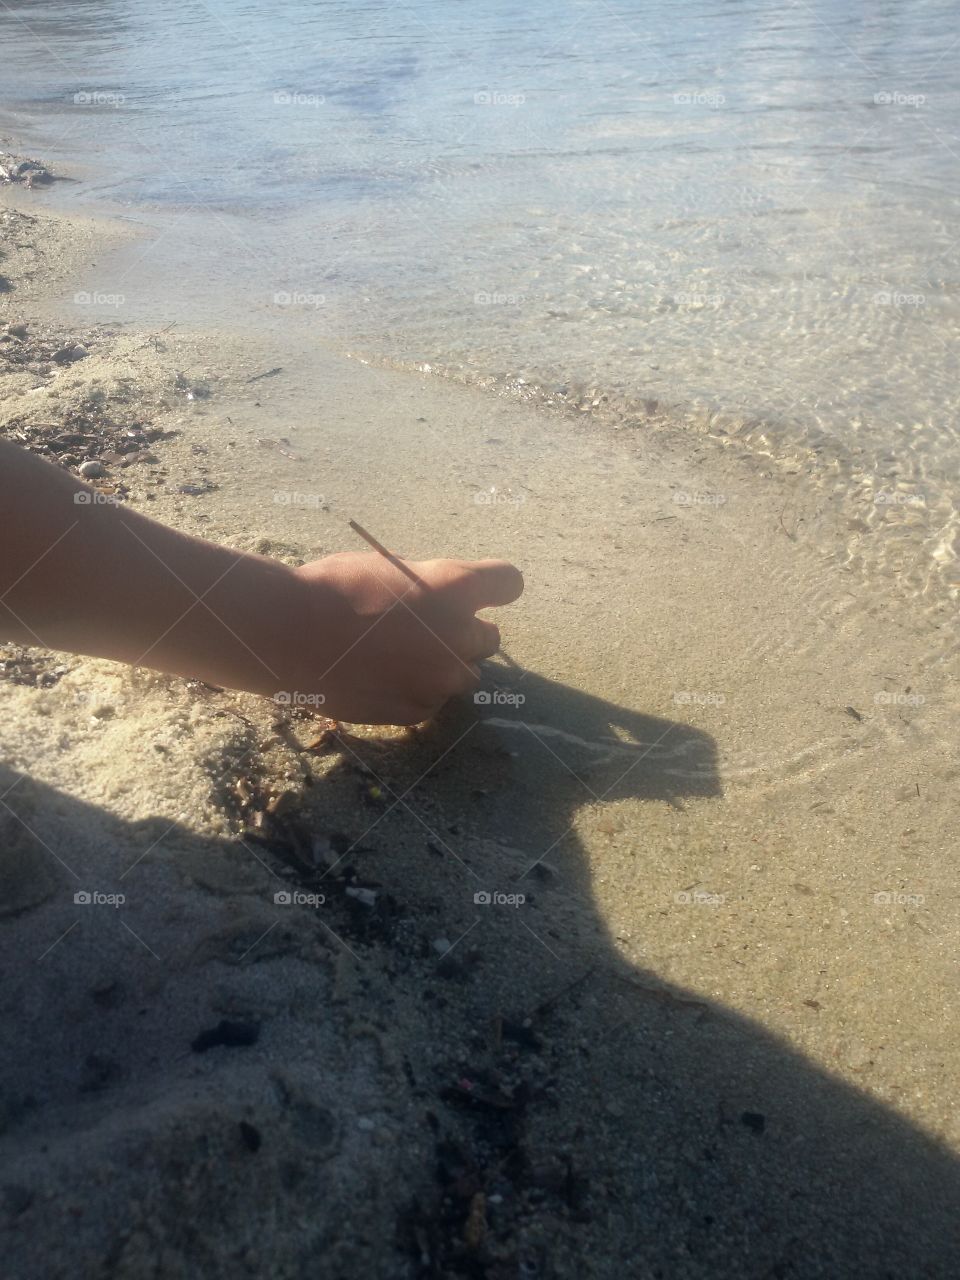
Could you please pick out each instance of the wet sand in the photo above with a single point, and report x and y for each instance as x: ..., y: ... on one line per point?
x: 716, y: 1036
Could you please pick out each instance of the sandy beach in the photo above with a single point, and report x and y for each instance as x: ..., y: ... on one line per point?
x: 644, y: 964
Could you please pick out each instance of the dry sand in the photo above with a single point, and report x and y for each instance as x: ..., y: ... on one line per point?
x: 715, y: 1039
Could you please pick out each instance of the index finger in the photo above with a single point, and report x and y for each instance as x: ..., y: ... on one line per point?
x: 485, y: 583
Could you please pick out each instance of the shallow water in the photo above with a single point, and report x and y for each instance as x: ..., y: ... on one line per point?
x: 739, y: 207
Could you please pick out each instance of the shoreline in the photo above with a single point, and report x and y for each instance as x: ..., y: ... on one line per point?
x: 700, y: 827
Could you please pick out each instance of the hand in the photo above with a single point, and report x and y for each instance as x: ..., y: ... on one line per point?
x: 391, y: 650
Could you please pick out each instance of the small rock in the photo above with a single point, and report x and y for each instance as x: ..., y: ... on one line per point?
x: 366, y: 1124
x: 441, y: 946
x: 91, y: 470
x: 17, y: 330
x: 367, y: 896
x: 754, y: 1120
x: 67, y: 355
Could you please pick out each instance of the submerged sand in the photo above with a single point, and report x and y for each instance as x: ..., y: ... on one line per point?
x: 714, y: 1039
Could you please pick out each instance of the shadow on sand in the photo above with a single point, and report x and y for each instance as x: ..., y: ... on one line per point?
x: 610, y: 1123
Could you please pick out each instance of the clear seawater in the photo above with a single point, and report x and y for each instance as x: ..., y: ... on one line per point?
x: 741, y: 208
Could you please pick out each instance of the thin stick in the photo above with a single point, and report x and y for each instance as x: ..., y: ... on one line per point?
x: 387, y: 555
x: 404, y: 568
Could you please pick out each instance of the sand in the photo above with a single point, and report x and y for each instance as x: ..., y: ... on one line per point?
x: 715, y: 1038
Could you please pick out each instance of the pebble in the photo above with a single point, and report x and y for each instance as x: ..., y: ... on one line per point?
x: 366, y: 1124
x: 367, y: 896
x: 441, y: 945
x: 91, y: 470
x: 17, y: 330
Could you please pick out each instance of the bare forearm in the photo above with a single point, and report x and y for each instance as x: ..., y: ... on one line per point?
x: 98, y: 578
x: 366, y: 640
